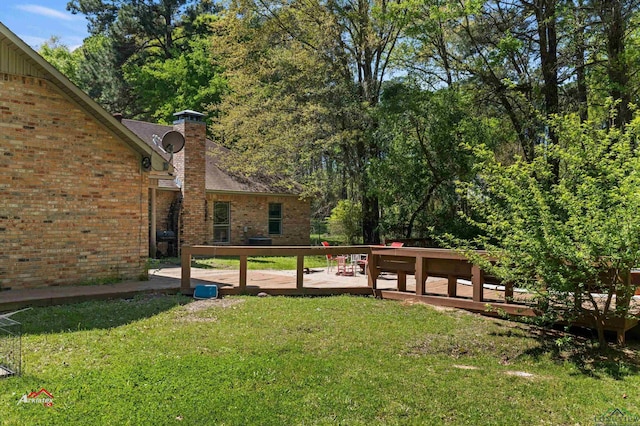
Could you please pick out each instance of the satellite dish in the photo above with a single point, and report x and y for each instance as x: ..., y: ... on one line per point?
x: 172, y: 142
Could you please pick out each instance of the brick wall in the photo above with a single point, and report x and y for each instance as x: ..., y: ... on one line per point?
x: 252, y: 211
x: 74, y: 198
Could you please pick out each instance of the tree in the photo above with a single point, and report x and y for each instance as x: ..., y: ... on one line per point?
x: 59, y: 55
x: 139, y: 41
x: 346, y: 220
x: 424, y: 155
x: 579, y: 237
x: 351, y: 43
x: 528, y: 59
x: 190, y: 80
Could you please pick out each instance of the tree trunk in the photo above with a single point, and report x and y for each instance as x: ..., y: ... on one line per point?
x: 422, y: 206
x: 581, y: 81
x: 546, y: 19
x: 370, y: 219
x: 615, y: 27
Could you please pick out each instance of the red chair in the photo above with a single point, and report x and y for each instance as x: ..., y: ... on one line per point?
x: 362, y: 263
x: 397, y: 244
x: 330, y: 258
x: 345, y: 268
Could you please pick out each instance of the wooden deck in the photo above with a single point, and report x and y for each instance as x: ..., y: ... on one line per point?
x: 441, y: 277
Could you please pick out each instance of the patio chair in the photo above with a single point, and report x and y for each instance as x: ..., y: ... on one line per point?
x: 362, y: 263
x: 345, y: 268
x: 331, y: 259
x: 397, y: 244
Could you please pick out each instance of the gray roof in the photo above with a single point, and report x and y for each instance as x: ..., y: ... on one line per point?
x: 218, y: 178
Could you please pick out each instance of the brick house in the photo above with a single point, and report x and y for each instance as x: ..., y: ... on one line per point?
x: 83, y: 192
x: 74, y: 182
x: 207, y: 204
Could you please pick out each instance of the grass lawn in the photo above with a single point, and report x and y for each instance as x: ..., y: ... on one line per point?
x: 161, y: 360
x: 256, y: 263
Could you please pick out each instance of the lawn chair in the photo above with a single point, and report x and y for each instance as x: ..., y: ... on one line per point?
x: 330, y: 258
x: 345, y: 268
x: 362, y: 263
x: 397, y: 244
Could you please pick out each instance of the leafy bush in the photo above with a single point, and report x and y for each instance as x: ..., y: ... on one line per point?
x: 566, y: 238
x: 346, y: 219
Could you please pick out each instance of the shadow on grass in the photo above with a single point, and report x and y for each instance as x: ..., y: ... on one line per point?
x: 579, y: 347
x: 96, y: 314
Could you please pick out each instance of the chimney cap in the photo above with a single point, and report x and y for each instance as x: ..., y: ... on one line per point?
x: 189, y: 115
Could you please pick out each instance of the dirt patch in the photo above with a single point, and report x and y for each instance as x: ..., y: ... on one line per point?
x: 519, y: 374
x: 202, y: 305
x: 205, y: 310
x: 465, y: 367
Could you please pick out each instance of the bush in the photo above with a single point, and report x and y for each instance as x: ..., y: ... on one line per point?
x: 569, y: 237
x: 346, y: 219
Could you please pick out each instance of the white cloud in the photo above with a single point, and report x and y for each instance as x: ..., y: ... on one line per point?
x: 45, y: 11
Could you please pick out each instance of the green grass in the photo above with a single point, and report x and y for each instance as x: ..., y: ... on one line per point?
x: 255, y: 263
x: 286, y: 361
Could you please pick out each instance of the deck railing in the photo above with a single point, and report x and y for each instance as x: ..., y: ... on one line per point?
x: 420, y: 262
x: 243, y: 252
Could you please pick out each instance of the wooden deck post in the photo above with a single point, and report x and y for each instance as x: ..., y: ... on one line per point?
x: 243, y: 273
x: 300, y: 272
x: 372, y: 271
x: 402, y: 281
x: 508, y: 291
x: 452, y: 286
x: 185, y: 281
x: 421, y: 275
x: 477, y: 281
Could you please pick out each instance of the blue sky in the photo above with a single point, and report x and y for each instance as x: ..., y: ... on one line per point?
x: 35, y: 21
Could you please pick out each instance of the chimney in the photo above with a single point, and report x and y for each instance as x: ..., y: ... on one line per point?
x: 118, y: 116
x: 191, y: 165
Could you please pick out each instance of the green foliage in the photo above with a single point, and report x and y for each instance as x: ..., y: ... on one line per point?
x: 305, y: 84
x: 188, y: 80
x: 346, y: 219
x: 568, y: 239
x: 147, y: 58
x: 59, y: 55
x: 423, y: 143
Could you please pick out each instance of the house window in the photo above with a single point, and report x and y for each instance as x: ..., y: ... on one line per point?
x: 275, y: 219
x: 221, y: 222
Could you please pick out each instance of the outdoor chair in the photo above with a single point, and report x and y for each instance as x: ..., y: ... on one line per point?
x: 331, y: 260
x: 345, y: 268
x: 362, y: 263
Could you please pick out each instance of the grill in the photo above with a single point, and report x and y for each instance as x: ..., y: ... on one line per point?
x: 168, y: 237
x: 165, y: 236
x: 259, y: 241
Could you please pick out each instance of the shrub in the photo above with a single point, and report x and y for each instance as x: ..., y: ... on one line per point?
x: 346, y: 219
x: 570, y: 237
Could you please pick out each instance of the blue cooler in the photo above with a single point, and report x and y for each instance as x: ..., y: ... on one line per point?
x: 206, y: 292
